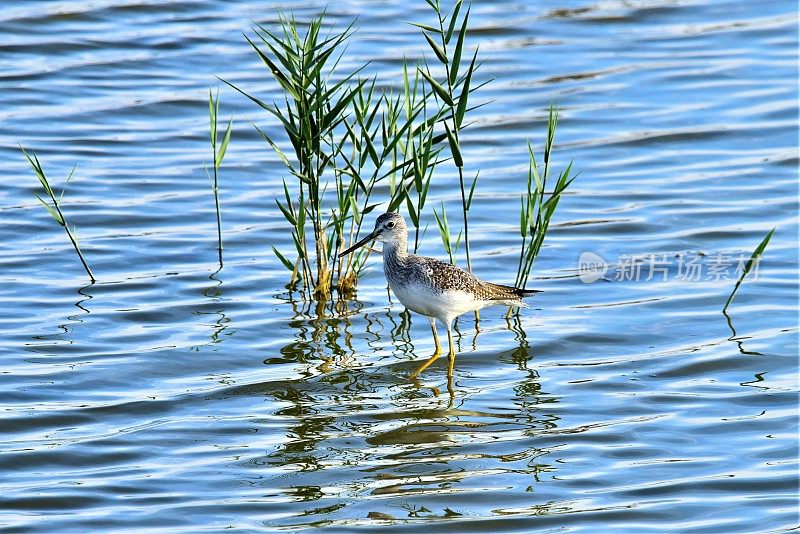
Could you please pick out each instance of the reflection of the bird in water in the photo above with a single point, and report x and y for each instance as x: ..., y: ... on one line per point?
x: 379, y: 435
x: 329, y: 337
x: 324, y: 335
x: 433, y: 449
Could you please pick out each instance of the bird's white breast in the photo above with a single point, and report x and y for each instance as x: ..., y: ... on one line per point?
x: 423, y: 299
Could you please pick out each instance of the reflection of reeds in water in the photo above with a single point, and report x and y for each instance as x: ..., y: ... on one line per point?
x: 739, y: 340
x: 66, y: 333
x: 378, y: 434
x: 325, y: 338
x: 221, y: 327
x: 55, y: 208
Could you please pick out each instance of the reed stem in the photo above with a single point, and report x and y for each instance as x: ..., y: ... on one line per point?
x: 73, y: 240
x: 219, y: 216
x: 754, y: 258
x: 218, y: 155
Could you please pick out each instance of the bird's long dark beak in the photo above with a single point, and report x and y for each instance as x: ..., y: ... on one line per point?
x: 361, y: 243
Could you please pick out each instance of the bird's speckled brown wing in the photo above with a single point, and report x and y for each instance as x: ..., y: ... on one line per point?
x: 447, y: 277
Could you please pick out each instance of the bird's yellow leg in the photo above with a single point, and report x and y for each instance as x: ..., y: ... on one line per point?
x: 452, y: 353
x: 435, y: 336
x: 436, y: 353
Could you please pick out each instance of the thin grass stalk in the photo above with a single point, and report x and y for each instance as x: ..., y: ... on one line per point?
x: 754, y: 257
x: 55, y: 209
x: 219, y: 154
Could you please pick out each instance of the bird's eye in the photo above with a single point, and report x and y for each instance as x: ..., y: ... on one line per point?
x: 390, y: 225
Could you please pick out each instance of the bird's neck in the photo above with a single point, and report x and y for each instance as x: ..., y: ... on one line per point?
x: 395, y: 252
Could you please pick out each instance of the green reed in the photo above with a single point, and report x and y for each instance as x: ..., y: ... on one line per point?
x: 538, y: 205
x: 420, y: 150
x: 314, y: 108
x: 453, y: 91
x: 755, y: 257
x: 450, y: 245
x: 55, y: 208
x: 344, y: 134
x: 219, y: 154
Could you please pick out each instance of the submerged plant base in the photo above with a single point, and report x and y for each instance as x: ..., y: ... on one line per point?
x: 346, y: 285
x: 322, y: 291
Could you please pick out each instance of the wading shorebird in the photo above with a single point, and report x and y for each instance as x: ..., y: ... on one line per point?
x: 433, y: 288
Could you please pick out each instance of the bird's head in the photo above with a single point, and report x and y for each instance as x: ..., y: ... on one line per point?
x: 389, y: 228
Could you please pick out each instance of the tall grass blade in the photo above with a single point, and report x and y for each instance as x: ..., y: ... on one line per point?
x: 472, y: 189
x: 537, y: 205
x: 440, y: 91
x: 461, y: 109
x: 53, y: 212
x: 455, y: 149
x: 225, y: 140
x: 286, y: 263
x: 453, y: 73
x: 437, y: 50
x: 453, y: 19
x: 425, y: 27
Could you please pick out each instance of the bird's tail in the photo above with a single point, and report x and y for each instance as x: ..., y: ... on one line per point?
x: 511, y: 292
x: 527, y: 292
